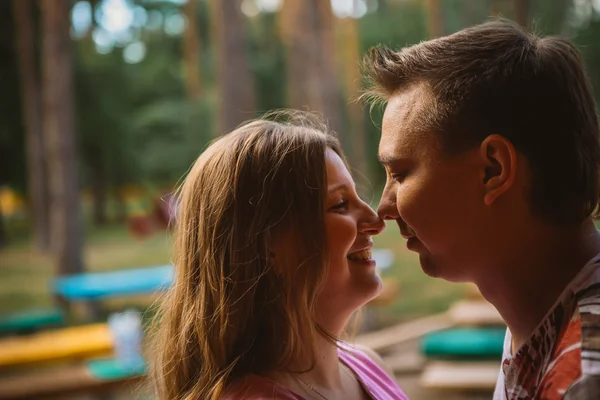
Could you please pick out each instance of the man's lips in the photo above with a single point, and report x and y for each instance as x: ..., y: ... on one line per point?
x: 413, y: 243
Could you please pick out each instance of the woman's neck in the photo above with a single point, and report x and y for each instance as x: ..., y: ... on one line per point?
x: 327, y: 370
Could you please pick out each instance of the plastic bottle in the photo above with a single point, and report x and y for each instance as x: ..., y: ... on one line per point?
x: 127, y: 332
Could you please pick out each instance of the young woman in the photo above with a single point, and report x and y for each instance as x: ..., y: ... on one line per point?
x: 273, y: 256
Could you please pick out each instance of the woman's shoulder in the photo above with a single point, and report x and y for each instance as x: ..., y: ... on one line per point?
x: 254, y: 387
x: 371, y: 370
x: 367, y: 354
x: 362, y: 354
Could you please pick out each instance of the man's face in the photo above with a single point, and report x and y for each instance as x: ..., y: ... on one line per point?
x: 435, y: 198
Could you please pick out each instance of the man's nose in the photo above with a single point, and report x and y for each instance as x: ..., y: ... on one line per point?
x: 388, y: 209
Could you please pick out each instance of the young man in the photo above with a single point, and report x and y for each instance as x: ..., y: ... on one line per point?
x: 491, y: 146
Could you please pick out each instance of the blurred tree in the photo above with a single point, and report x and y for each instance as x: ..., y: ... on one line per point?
x: 267, y: 57
x: 191, y: 52
x: 59, y: 128
x: 459, y: 14
x: 37, y: 188
x: 551, y: 17
x: 384, y: 27
x: 165, y: 131
x: 12, y: 143
x: 434, y: 19
x: 3, y: 235
x: 349, y: 61
x: 522, y: 10
x: 497, y: 7
x: 103, y: 119
x: 235, y: 83
x: 308, y: 32
x: 588, y: 40
x: 136, y: 125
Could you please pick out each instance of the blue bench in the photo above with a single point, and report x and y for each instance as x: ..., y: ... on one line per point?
x: 112, y: 284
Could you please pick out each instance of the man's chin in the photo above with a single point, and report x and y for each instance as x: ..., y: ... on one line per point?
x: 431, y: 272
x: 428, y: 267
x: 434, y: 270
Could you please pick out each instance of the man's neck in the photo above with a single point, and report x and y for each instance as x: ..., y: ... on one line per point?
x: 532, y: 276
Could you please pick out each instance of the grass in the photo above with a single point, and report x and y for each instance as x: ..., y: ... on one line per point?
x: 25, y: 275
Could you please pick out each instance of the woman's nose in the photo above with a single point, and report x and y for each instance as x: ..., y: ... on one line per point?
x: 372, y: 224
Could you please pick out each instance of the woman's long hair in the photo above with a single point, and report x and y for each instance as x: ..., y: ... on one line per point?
x: 230, y: 311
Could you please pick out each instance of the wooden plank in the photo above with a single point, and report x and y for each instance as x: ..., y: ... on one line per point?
x: 396, y: 334
x: 70, y: 343
x: 474, y: 313
x: 409, y: 362
x: 460, y: 375
x: 56, y: 383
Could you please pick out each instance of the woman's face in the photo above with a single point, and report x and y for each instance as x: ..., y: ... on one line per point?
x: 350, y: 223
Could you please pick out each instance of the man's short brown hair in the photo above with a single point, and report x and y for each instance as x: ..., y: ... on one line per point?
x: 496, y: 78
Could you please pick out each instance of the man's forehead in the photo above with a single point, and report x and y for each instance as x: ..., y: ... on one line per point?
x: 402, y: 121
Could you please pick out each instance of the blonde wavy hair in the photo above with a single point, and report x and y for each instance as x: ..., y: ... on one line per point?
x: 230, y: 312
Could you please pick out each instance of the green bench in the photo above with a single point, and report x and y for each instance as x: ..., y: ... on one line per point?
x: 31, y: 320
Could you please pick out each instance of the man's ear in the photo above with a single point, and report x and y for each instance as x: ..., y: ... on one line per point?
x: 499, y: 160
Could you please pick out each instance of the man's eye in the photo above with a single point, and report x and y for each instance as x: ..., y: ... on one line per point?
x: 398, y: 177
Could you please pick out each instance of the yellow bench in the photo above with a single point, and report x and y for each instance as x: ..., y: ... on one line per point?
x: 74, y: 343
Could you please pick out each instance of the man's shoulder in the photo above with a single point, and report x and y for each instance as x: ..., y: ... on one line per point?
x: 587, y: 387
x: 564, y: 367
x: 588, y: 310
x: 574, y: 367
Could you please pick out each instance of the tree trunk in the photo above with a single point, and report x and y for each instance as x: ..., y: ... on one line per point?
x: 30, y: 96
x: 235, y: 82
x: 350, y: 65
x: 57, y: 87
x: 100, y: 203
x: 434, y: 19
x: 191, y: 52
x: 307, y: 31
x: 120, y: 206
x: 499, y: 8
x: 3, y: 234
x: 522, y: 8
x: 99, y: 190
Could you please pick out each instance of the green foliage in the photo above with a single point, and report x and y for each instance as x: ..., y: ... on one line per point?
x: 402, y: 24
x: 136, y: 125
x: 12, y: 139
x: 588, y: 40
x: 267, y: 60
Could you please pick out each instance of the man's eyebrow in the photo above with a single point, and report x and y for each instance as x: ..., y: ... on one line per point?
x: 387, y: 158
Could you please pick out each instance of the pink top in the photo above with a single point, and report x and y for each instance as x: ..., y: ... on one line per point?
x: 376, y: 382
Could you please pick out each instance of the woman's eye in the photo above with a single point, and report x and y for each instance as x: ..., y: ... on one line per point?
x: 341, y: 205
